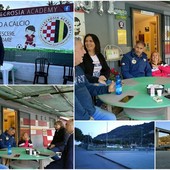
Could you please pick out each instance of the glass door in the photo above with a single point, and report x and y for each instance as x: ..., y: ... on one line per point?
x: 10, y: 119
x: 167, y: 39
x: 146, y: 27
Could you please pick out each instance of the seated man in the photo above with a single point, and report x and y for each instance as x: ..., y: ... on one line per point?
x: 66, y: 161
x: 135, y: 63
x: 84, y: 107
x: 7, y: 138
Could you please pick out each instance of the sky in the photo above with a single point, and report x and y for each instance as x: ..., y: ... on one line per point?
x: 94, y: 128
x: 23, y: 4
x: 163, y: 125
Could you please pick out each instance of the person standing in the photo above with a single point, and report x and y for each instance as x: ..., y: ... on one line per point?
x: 135, y: 63
x: 7, y: 138
x: 94, y: 64
x: 2, y: 52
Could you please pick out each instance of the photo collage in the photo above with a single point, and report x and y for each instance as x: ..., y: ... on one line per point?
x: 84, y: 84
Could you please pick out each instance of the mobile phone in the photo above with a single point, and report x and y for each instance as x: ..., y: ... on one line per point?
x: 126, y: 99
x: 17, y: 155
x: 167, y: 96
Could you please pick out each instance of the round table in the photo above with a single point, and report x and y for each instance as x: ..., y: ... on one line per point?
x: 23, y: 156
x: 141, y: 100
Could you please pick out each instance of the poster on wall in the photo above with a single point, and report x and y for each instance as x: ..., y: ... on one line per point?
x: 79, y: 25
x: 122, y: 36
x: 47, y: 28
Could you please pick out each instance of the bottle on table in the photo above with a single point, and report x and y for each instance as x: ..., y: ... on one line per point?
x: 152, y: 92
x: 118, y: 85
x: 9, y: 149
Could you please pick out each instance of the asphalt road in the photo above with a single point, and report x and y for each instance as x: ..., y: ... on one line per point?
x: 162, y: 160
x: 89, y: 160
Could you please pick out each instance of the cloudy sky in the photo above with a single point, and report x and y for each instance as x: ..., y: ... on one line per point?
x: 23, y: 4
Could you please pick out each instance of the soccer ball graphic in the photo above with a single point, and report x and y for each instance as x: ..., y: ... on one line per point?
x: 19, y: 46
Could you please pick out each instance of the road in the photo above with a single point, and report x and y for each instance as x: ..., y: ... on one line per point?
x: 162, y: 160
x: 89, y: 160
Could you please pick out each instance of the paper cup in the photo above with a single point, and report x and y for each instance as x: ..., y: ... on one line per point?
x: 168, y: 90
x: 159, y: 92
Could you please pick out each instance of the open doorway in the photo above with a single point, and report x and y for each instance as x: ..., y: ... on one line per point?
x: 146, y: 28
x: 10, y: 119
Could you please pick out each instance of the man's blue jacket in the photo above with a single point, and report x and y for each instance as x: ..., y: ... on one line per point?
x: 134, y: 66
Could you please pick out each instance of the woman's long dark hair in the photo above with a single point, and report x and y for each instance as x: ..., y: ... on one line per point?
x: 96, y: 42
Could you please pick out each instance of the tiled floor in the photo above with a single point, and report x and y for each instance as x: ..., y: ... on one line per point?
x: 22, y: 82
x: 17, y: 81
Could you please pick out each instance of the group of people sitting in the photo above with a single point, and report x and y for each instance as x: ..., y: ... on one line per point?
x: 62, y: 142
x: 91, y: 68
x: 136, y: 63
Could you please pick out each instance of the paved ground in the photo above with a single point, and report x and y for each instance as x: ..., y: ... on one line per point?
x: 17, y: 82
x: 89, y: 160
x: 114, y: 159
x: 131, y: 159
x: 162, y: 159
x: 22, y: 82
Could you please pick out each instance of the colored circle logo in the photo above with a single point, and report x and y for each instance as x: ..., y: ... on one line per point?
x: 56, y: 30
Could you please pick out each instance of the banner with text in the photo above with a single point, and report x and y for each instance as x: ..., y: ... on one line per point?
x: 48, y: 28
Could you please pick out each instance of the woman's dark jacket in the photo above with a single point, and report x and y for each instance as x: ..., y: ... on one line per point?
x: 88, y: 67
x: 59, y: 137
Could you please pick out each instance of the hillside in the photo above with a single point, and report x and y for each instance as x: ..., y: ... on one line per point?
x: 129, y: 134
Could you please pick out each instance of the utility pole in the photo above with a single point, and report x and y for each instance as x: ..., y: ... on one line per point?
x: 141, y: 136
x: 106, y: 134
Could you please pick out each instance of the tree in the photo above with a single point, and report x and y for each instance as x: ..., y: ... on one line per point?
x: 1, y: 7
x: 87, y: 139
x: 51, y: 3
x: 8, y: 7
x: 78, y: 134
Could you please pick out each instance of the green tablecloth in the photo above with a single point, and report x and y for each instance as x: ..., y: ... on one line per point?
x: 24, y: 156
x: 136, y: 87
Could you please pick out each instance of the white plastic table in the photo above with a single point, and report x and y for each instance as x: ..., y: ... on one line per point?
x: 5, y: 72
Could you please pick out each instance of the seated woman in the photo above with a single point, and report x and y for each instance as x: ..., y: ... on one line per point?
x: 94, y: 64
x: 159, y: 68
x: 25, y: 141
x: 59, y: 140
